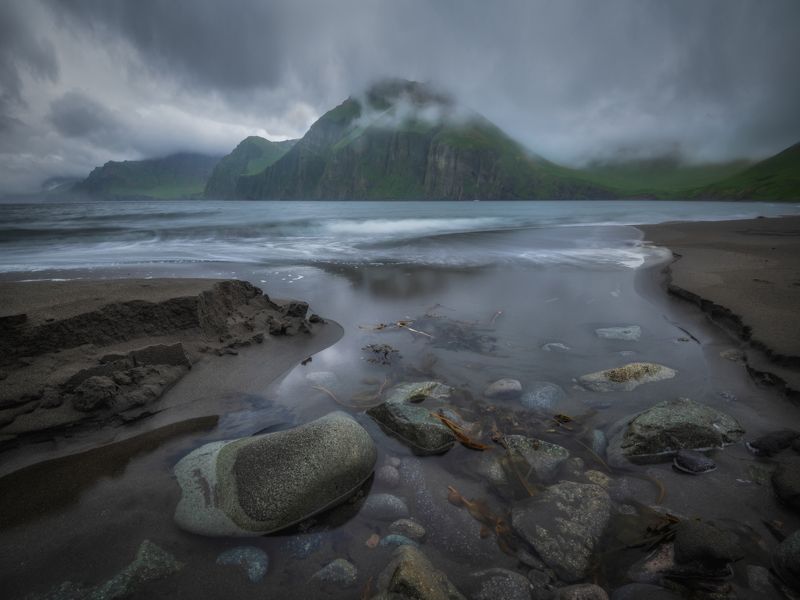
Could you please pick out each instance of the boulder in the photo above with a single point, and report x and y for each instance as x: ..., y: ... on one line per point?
x: 625, y: 378
x: 501, y: 584
x: 503, y: 389
x: 340, y: 572
x: 659, y: 432
x: 534, y: 458
x: 786, y: 482
x: 408, y: 528
x: 705, y: 544
x: 564, y: 525
x: 402, y: 416
x: 410, y: 574
x: 264, y: 483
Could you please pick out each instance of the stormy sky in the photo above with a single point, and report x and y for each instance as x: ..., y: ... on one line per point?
x: 86, y: 81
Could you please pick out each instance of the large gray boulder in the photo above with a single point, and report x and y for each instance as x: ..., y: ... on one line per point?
x: 402, y: 416
x: 535, y: 459
x: 659, y: 432
x: 564, y: 524
x: 257, y: 485
x: 626, y: 378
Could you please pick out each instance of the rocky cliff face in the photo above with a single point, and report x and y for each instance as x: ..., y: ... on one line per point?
x: 404, y: 141
x: 252, y: 155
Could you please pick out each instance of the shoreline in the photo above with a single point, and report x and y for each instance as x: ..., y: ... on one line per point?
x: 744, y: 275
x: 87, y: 363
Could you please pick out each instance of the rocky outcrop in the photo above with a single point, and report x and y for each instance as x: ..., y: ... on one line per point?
x: 669, y: 426
x: 265, y: 483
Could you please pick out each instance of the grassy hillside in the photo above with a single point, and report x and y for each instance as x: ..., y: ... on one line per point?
x: 660, y: 178
x: 776, y: 178
x: 174, y: 176
x: 251, y: 156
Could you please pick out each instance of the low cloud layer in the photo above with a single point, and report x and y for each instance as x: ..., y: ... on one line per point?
x: 87, y: 81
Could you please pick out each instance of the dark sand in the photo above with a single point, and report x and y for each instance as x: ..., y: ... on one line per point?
x: 746, y: 276
x: 57, y: 332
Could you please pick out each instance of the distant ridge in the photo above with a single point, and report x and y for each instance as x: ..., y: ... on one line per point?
x: 182, y: 175
x: 252, y: 155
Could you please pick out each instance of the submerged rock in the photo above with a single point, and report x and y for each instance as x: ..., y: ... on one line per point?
x: 503, y: 389
x: 408, y: 528
x: 556, y: 347
x: 339, y: 572
x: 265, y: 483
x: 629, y: 333
x: 581, y: 591
x: 386, y: 507
x: 773, y: 442
x: 670, y: 426
x: 705, y: 544
x: 786, y: 561
x: 564, y: 525
x: 501, y: 584
x: 151, y: 563
x: 693, y: 462
x: 535, y: 457
x: 786, y: 482
x: 402, y: 417
x: 411, y: 575
x: 395, y: 539
x: 253, y: 560
x: 387, y: 476
x: 543, y: 396
x: 626, y: 377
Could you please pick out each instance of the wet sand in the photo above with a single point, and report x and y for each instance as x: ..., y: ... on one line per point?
x: 746, y: 276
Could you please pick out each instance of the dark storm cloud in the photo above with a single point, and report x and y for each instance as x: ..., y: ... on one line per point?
x: 575, y: 80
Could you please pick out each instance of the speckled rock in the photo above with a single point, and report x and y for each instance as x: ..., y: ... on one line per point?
x: 786, y: 482
x: 500, y: 584
x: 543, y: 396
x: 265, y: 483
x: 786, y: 561
x: 705, y: 543
x: 253, y: 560
x: 625, y: 378
x: 537, y: 459
x: 581, y: 591
x: 387, y: 476
x: 669, y: 426
x: 303, y: 546
x: 384, y: 507
x: 693, y: 462
x: 151, y: 563
x: 629, y: 333
x: 340, y: 572
x: 410, y: 574
x: 409, y: 528
x: 564, y: 524
x: 503, y: 389
x: 402, y: 417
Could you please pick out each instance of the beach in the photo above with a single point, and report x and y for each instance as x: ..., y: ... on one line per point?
x: 480, y: 395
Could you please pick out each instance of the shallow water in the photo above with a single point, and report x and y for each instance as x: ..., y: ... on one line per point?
x: 510, y: 277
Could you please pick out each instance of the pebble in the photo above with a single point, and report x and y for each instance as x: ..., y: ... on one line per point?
x: 503, y: 389
x: 253, y: 560
x: 338, y: 572
x: 388, y: 476
x: 409, y: 528
x: 543, y: 395
x: 385, y: 507
x: 303, y: 546
x: 693, y: 462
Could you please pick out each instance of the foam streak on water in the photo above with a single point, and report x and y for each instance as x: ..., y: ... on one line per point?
x: 50, y: 235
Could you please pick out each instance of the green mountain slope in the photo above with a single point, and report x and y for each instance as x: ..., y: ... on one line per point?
x: 776, y: 178
x: 665, y: 178
x: 403, y: 140
x: 176, y: 176
x: 252, y: 155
